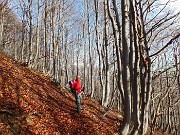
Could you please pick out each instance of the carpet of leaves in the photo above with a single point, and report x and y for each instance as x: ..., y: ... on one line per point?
x: 31, y: 104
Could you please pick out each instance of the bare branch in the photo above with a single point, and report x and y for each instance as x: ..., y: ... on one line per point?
x: 170, y: 42
x: 154, y: 77
x: 3, y: 4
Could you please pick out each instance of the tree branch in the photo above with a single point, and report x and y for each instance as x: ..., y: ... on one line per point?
x: 170, y: 42
x: 154, y: 77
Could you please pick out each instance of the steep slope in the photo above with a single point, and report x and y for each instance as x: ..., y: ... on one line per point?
x: 30, y: 103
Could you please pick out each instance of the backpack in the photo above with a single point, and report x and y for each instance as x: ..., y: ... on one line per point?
x: 70, y: 86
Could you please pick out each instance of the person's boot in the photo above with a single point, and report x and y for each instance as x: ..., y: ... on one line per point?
x: 79, y: 111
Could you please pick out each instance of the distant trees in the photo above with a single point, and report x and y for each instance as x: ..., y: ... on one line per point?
x: 3, y: 5
x: 45, y: 36
x: 9, y: 31
x: 126, y: 52
x: 165, y: 97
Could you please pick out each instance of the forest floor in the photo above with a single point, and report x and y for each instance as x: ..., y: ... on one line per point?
x: 31, y: 104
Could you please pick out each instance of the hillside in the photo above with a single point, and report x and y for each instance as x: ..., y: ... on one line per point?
x: 30, y: 103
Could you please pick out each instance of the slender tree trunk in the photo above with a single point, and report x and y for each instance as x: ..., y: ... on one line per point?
x: 125, y: 75
x: 117, y: 36
x: 30, y: 50
x: 66, y: 56
x: 145, y: 69
x: 45, y: 37
x: 90, y: 47
x: 1, y: 28
x: 54, y: 39
x: 96, y: 36
x: 135, y: 88
x: 23, y: 36
x: 84, y: 43
x: 37, y: 38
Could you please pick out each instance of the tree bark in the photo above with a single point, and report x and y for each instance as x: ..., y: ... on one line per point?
x: 125, y: 74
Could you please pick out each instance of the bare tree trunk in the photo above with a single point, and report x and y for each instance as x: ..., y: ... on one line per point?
x: 30, y: 50
x: 1, y: 27
x: 37, y: 38
x: 134, y: 76
x: 23, y: 34
x: 66, y: 56
x: 2, y: 9
x: 96, y: 36
x: 117, y: 39
x: 45, y: 36
x: 98, y: 46
x: 90, y: 47
x: 106, y: 92
x: 125, y: 75
x: 84, y: 43
x: 54, y: 38
x: 58, y: 45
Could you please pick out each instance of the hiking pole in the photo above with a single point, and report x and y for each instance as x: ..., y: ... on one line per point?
x: 84, y: 103
x: 84, y: 100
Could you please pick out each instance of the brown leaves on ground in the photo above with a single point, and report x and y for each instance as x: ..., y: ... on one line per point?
x: 30, y: 103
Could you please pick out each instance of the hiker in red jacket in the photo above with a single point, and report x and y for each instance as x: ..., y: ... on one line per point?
x: 77, y: 87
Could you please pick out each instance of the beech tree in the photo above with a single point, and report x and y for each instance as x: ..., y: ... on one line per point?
x: 140, y: 37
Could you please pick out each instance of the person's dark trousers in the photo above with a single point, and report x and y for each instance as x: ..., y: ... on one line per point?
x: 78, y: 102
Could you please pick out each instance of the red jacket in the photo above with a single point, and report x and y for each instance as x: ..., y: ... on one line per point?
x: 76, y: 85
